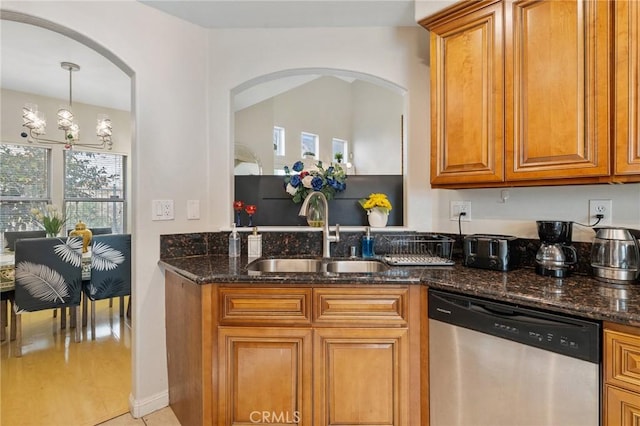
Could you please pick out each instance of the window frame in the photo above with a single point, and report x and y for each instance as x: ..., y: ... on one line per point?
x: 32, y: 202
x: 344, y: 151
x: 122, y: 200
x: 316, y: 141
x: 279, y: 141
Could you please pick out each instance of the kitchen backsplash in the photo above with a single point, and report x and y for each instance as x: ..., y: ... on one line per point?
x: 310, y: 243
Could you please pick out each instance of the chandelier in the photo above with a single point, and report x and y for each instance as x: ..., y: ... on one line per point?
x: 36, y: 123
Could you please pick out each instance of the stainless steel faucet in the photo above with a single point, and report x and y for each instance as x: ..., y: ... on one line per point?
x: 327, y: 238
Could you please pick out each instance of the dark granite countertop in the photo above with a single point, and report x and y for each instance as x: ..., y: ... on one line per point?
x: 578, y: 295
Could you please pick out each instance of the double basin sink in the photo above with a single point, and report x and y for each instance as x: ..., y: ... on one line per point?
x: 315, y: 265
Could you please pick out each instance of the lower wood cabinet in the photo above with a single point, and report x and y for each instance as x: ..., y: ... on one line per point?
x: 302, y: 355
x: 622, y: 407
x: 360, y: 377
x: 264, y: 375
x: 621, y: 375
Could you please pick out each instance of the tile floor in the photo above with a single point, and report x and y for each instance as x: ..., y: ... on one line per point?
x: 164, y: 417
x: 58, y: 382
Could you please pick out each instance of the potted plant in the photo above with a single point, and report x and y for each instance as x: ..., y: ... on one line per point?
x: 50, y: 219
x: 378, y: 207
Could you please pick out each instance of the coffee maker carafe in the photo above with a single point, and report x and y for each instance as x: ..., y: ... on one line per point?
x: 556, y: 256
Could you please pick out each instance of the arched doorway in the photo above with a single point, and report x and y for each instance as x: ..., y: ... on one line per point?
x: 55, y: 363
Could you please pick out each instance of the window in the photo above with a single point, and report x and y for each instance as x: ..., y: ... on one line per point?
x: 94, y: 189
x: 340, y: 150
x: 24, y: 184
x: 310, y: 144
x: 278, y: 141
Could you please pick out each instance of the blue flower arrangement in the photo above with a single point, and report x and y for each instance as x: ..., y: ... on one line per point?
x: 329, y: 181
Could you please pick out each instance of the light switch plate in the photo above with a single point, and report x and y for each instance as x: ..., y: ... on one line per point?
x: 193, y: 209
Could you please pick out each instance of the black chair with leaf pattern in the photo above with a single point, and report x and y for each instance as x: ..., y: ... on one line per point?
x: 110, y: 272
x: 48, y: 275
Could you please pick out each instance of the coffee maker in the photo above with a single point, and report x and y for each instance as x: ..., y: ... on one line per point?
x: 556, y: 257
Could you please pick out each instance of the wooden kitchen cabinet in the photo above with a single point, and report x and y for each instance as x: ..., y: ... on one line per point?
x: 361, y: 361
x: 467, y: 106
x: 627, y: 92
x: 361, y: 376
x: 557, y: 89
x: 522, y: 93
x: 300, y: 354
x: 621, y: 375
x: 264, y: 375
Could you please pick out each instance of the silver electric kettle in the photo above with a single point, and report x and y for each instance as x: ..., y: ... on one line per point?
x: 615, y: 255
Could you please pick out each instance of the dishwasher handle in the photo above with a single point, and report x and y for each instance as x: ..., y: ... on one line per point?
x: 508, y: 313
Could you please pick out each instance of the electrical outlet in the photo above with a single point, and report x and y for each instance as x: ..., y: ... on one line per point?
x: 457, y: 207
x: 603, y: 207
x: 162, y: 210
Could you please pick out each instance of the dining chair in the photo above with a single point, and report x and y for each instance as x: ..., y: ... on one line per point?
x: 10, y: 237
x: 48, y: 275
x: 101, y: 231
x: 110, y: 272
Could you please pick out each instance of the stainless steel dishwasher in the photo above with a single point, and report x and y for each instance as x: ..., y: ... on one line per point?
x: 497, y: 364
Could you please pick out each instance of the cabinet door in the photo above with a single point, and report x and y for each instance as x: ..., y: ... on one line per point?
x: 627, y: 82
x: 622, y: 359
x: 557, y: 89
x: 360, y: 377
x: 264, y: 375
x: 467, y: 107
x: 622, y: 407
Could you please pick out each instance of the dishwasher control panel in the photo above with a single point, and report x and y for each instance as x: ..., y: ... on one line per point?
x: 562, y: 334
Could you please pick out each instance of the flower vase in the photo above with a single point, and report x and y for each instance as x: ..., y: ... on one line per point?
x: 315, y: 213
x: 377, y: 217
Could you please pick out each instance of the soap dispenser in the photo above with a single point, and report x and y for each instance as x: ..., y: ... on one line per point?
x: 254, y: 243
x: 234, y: 242
x: 367, y: 244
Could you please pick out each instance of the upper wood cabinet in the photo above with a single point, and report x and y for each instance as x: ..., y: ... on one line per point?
x: 557, y: 89
x: 467, y: 107
x: 523, y: 93
x: 627, y: 93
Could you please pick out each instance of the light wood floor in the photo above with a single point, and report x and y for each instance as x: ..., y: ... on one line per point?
x: 59, y: 382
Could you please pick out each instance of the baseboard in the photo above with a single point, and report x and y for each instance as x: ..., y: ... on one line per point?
x: 142, y: 407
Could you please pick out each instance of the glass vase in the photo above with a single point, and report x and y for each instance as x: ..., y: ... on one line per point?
x: 315, y: 213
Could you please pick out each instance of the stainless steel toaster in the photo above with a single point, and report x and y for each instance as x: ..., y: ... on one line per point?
x: 487, y: 251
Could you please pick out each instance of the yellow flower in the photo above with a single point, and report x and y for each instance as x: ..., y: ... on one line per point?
x: 376, y: 200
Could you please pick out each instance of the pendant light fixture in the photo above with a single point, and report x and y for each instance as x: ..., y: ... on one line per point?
x: 36, y: 123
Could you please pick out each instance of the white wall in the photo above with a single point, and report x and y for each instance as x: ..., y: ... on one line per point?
x: 377, y: 130
x: 169, y: 150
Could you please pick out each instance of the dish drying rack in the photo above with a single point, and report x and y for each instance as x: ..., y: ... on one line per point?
x: 419, y: 250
